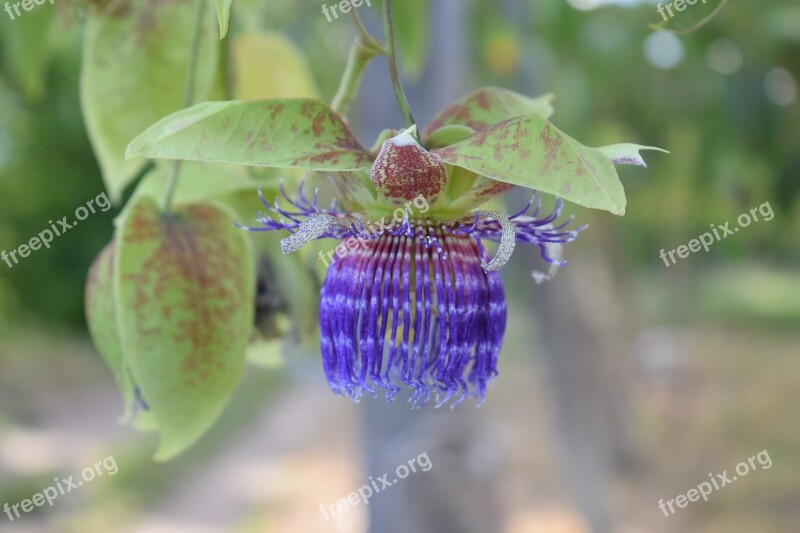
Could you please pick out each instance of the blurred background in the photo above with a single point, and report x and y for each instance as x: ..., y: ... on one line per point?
x: 622, y: 382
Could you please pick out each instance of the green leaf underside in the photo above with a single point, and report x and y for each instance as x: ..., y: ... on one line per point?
x: 383, y: 136
x: 627, y: 153
x: 478, y: 194
x: 355, y: 190
x: 185, y: 287
x: 283, y: 133
x: 101, y: 318
x: 531, y: 152
x: 447, y: 135
x: 134, y: 72
x: 203, y: 181
x: 488, y: 106
x: 223, y: 16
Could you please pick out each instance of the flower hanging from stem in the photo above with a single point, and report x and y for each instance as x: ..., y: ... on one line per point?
x: 419, y: 303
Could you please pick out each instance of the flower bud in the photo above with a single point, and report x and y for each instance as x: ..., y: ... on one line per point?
x: 404, y: 169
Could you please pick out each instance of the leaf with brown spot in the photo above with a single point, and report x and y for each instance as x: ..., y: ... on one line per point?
x: 487, y: 106
x: 185, y: 290
x: 282, y: 133
x: 531, y: 152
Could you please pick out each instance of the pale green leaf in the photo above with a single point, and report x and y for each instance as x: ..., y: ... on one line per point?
x: 101, y: 317
x: 447, y: 135
x: 135, y: 65
x: 185, y: 290
x: 285, y: 133
x: 223, y: 16
x: 265, y: 354
x: 203, y: 181
x: 411, y: 33
x: 383, y: 136
x: 287, y: 283
x: 480, y: 191
x: 488, y: 106
x: 268, y: 65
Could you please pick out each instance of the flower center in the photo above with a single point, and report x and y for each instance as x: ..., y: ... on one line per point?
x: 405, y: 170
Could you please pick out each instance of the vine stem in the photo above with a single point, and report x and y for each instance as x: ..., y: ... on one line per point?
x: 188, y: 97
x: 362, y: 51
x: 402, y: 100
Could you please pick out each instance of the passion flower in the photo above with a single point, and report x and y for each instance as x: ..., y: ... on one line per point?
x: 419, y: 302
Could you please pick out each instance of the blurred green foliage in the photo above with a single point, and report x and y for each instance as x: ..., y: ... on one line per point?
x: 47, y: 170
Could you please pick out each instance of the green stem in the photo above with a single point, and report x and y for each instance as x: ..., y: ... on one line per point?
x: 388, y: 24
x: 227, y: 60
x: 364, y: 33
x: 188, y: 97
x: 362, y: 51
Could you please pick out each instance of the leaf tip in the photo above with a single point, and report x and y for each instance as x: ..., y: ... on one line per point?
x: 166, y: 452
x: 133, y: 150
x: 627, y: 153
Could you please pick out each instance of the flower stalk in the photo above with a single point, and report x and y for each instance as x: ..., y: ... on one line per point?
x: 188, y: 97
x: 391, y: 52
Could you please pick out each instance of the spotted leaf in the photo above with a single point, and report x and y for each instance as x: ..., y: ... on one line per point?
x: 185, y: 291
x: 285, y: 133
x: 531, y: 152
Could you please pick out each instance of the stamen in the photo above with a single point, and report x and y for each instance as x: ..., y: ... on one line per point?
x: 507, y: 241
x: 314, y: 227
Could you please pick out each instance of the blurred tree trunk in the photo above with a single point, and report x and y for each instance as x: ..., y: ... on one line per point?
x: 459, y: 493
x: 587, y: 320
x: 587, y: 323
